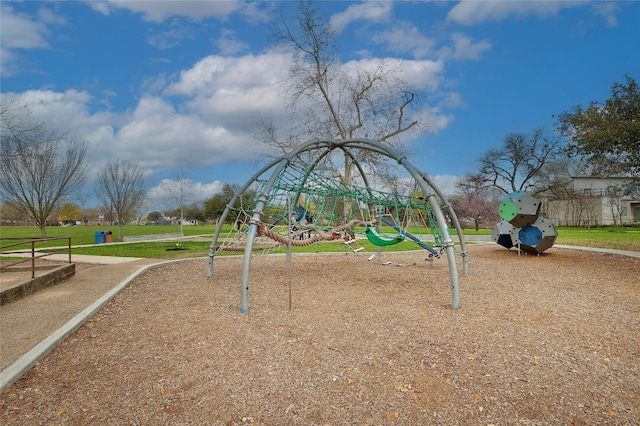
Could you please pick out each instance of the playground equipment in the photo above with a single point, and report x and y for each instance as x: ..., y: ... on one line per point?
x: 412, y: 237
x: 522, y: 225
x: 519, y: 209
x: 296, y: 202
x: 380, y: 241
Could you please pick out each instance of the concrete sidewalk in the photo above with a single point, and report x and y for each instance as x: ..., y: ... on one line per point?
x: 84, y: 258
x: 31, y: 327
x: 602, y: 250
x: 97, y: 260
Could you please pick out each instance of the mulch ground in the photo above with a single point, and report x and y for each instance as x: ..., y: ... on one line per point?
x: 551, y: 339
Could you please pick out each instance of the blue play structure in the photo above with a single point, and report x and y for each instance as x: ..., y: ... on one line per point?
x: 522, y: 224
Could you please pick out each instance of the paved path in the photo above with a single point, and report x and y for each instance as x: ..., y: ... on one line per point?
x: 33, y: 326
x: 601, y: 250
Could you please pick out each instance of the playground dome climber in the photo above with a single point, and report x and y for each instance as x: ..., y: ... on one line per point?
x: 297, y: 200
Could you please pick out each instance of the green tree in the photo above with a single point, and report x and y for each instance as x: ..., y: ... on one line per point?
x: 193, y: 212
x: 70, y: 213
x: 607, y: 133
x: 11, y: 215
x: 215, y: 206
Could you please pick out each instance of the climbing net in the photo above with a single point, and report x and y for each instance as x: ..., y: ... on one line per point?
x: 305, y: 207
x: 300, y: 200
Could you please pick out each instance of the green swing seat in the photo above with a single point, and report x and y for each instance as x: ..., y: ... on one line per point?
x: 378, y: 240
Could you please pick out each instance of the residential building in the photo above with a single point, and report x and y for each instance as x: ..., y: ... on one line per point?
x: 593, y: 201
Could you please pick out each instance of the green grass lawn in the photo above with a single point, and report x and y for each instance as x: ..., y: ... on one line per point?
x: 620, y: 238
x: 627, y: 238
x: 83, y: 235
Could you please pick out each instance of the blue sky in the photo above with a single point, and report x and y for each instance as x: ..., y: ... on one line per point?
x: 181, y: 84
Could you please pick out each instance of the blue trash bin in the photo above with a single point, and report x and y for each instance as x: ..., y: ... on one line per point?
x: 99, y: 237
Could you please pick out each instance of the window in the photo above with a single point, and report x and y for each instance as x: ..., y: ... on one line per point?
x: 587, y: 192
x: 611, y: 190
x: 623, y: 211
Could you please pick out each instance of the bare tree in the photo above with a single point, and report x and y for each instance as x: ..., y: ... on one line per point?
x: 39, y: 167
x: 17, y: 125
x: 337, y: 103
x: 178, y: 190
x: 613, y: 200
x: 120, y: 186
x: 519, y: 164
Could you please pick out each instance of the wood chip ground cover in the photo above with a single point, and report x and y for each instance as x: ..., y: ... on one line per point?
x: 538, y: 340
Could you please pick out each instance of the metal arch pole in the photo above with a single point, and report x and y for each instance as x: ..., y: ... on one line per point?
x: 442, y: 224
x: 423, y: 182
x: 448, y: 245
x: 447, y: 241
x: 216, y: 235
x: 456, y: 224
x: 223, y: 218
x: 253, y: 229
x: 379, y: 148
x: 363, y: 144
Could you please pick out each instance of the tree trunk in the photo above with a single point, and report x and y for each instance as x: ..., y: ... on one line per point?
x: 347, y: 184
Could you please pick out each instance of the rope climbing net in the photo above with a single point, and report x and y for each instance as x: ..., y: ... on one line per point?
x: 297, y: 197
x: 305, y: 208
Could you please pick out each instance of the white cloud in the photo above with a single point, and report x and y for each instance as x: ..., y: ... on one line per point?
x: 229, y: 44
x: 419, y: 73
x: 172, y: 37
x: 161, y: 136
x: 68, y: 110
x: 195, y: 192
x: 406, y: 38
x: 154, y: 134
x: 464, y: 48
x: 374, y: 11
x: 434, y: 119
x: 99, y: 6
x: 470, y: 12
x: 236, y: 90
x: 22, y: 32
x: 158, y: 11
x: 446, y: 183
x: 608, y: 11
x: 213, y: 74
x: 207, y: 115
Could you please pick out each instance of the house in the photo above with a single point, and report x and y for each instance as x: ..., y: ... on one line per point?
x: 593, y: 201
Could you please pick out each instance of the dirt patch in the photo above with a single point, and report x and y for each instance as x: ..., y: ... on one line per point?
x: 551, y: 339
